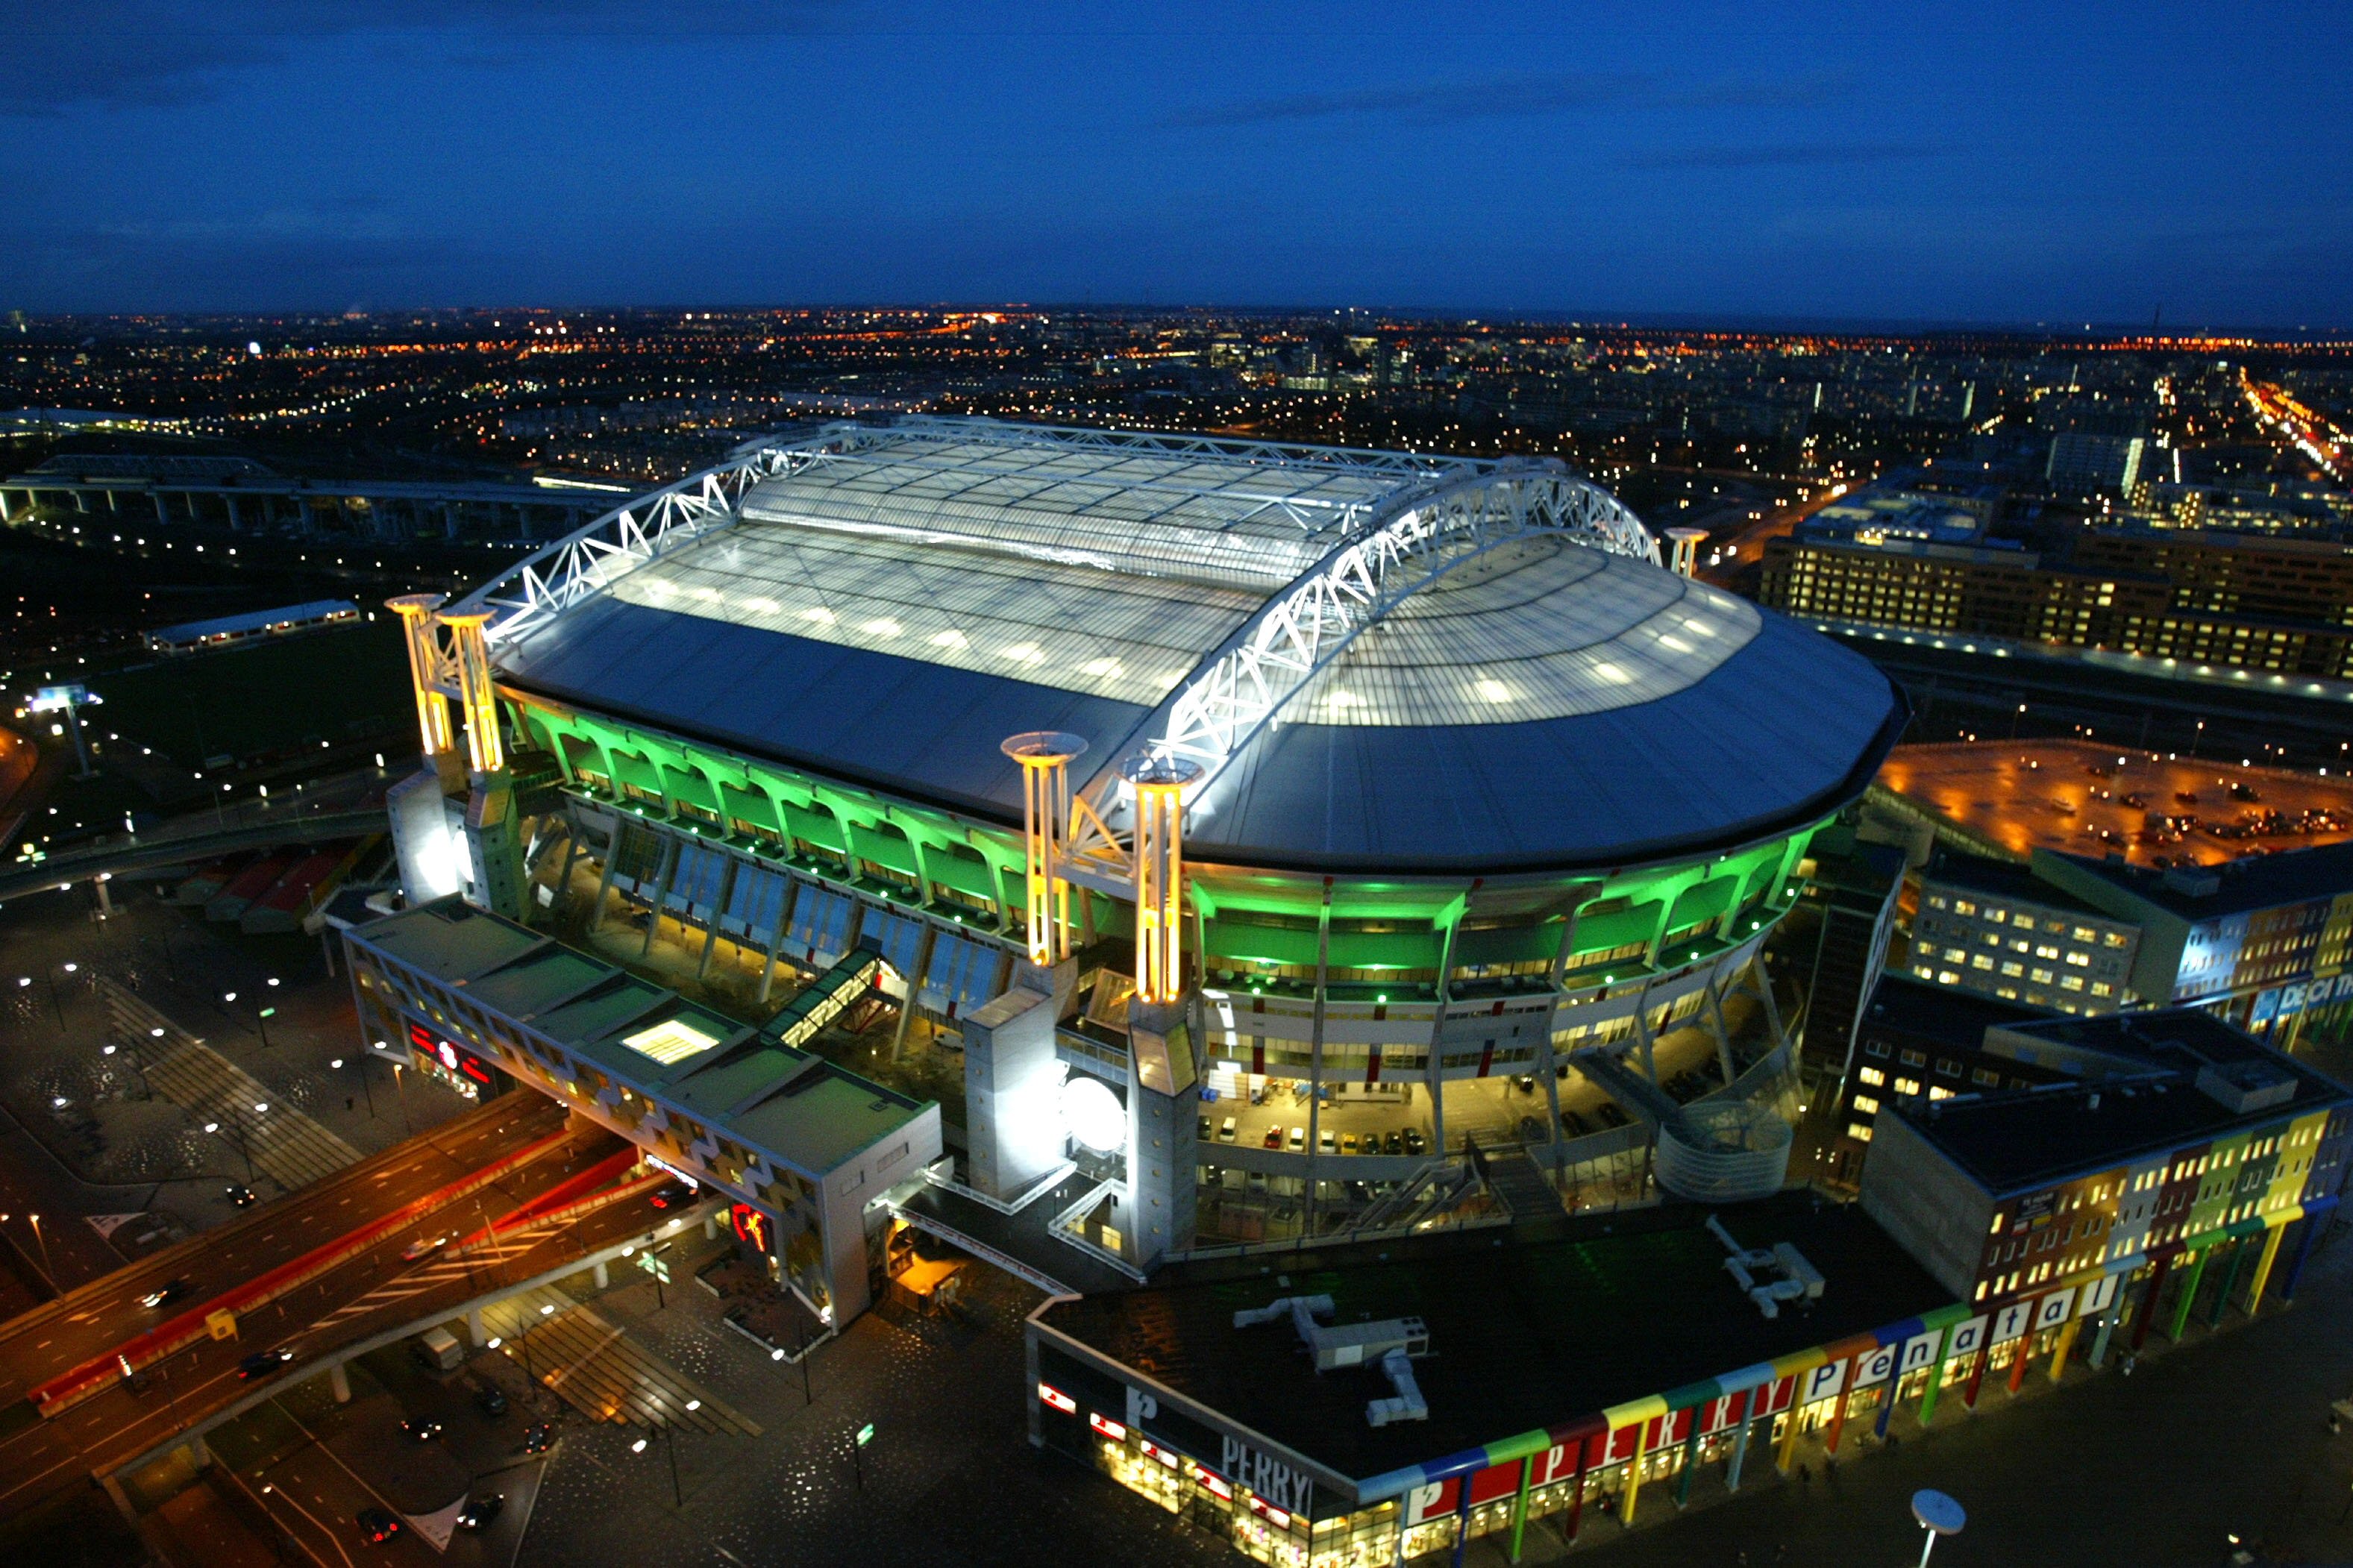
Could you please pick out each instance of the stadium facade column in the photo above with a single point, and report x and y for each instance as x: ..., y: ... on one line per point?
x: 1633, y: 1474
x: 1740, y: 1439
x: 1723, y: 1037
x: 1433, y: 1067
x: 2151, y: 1296
x: 1935, y: 1376
x: 1520, y: 1508
x: 2272, y: 1239
x: 2099, y: 1356
x: 2316, y: 1217
x: 433, y: 862
x: 2025, y: 1351
x: 1690, y: 1461
x: 2187, y: 1295
x: 718, y: 913
x: 1576, y: 1497
x: 494, y: 824
x: 1837, y: 1411
x: 777, y: 939
x: 1162, y: 1141
x: 1315, y: 1059
x: 1012, y: 1084
x: 1977, y: 1363
x: 2066, y: 1343
x: 2230, y: 1281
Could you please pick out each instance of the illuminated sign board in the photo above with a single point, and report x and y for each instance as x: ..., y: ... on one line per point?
x: 451, y: 1058
x: 753, y: 1227
x: 49, y: 699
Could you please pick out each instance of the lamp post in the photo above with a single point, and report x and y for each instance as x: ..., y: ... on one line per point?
x: 47, y: 1268
x: 49, y: 974
x: 1938, y: 1515
x: 236, y: 1136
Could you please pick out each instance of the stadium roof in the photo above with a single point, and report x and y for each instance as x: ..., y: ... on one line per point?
x: 1391, y: 660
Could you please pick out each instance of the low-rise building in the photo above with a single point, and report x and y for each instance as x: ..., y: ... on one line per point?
x: 807, y: 1146
x: 2166, y: 1141
x: 1917, y: 1039
x: 1372, y: 1404
x: 2002, y: 931
x: 2241, y: 601
x: 2264, y: 941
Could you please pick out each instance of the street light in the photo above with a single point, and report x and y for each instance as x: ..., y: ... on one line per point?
x: 47, y: 1268
x: 1938, y: 1515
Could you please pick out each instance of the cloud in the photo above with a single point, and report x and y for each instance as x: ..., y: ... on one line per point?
x: 1510, y: 96
x: 133, y: 54
x: 1821, y: 154
x: 1427, y: 103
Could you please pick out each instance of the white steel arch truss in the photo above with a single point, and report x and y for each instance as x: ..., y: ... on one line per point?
x: 589, y: 560
x: 1238, y: 688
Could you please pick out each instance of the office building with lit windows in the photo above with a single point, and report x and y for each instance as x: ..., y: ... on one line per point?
x: 2175, y: 597
x: 2002, y: 931
x: 1261, y: 825
x: 2168, y: 1146
x: 2264, y: 941
x: 1918, y: 1039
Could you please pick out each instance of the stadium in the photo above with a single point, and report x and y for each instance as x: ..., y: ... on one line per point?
x: 1287, y: 837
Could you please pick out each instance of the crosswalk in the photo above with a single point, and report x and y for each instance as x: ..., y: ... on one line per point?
x: 288, y: 1146
x: 594, y: 1366
x: 481, y: 1264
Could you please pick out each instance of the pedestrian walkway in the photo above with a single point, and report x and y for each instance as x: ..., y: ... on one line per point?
x: 593, y: 1365
x: 278, y: 1140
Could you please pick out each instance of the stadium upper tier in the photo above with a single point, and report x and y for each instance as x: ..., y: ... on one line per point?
x: 1387, y: 661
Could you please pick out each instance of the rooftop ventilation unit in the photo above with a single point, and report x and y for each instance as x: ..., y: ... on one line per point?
x: 2192, y: 881
x: 1799, y: 1280
x: 2243, y: 1087
x: 1391, y: 1344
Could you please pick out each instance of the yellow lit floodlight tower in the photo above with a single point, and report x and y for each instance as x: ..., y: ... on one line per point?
x: 1159, y: 784
x: 476, y: 695
x: 1045, y: 756
x: 415, y: 613
x: 1686, y: 559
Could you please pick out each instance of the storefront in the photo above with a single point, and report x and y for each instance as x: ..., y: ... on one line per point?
x: 454, y: 1066
x: 1199, y: 1391
x: 1193, y: 1390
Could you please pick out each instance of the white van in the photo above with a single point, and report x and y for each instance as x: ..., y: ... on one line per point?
x: 438, y: 1349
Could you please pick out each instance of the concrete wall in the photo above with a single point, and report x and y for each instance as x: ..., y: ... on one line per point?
x: 1921, y: 1198
x: 1012, y: 1085
x: 848, y: 1191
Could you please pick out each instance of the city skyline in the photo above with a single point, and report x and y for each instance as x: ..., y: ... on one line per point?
x: 2056, y: 166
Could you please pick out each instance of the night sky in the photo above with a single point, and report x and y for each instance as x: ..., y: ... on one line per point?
x: 2044, y: 163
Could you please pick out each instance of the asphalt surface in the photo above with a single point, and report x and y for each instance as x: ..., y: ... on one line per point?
x: 95, y: 1318
x: 356, y: 1300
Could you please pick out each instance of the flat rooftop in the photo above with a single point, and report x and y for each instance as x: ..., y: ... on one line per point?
x: 2256, y: 882
x: 1524, y: 1332
x: 1944, y: 1014
x: 255, y: 620
x: 2017, y: 796
x: 2149, y: 1101
x: 792, y: 1104
x: 2004, y: 879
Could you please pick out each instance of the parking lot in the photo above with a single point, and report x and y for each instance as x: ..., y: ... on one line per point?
x: 1500, y: 1109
